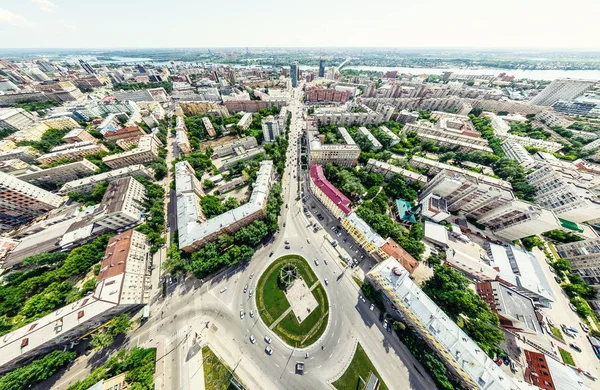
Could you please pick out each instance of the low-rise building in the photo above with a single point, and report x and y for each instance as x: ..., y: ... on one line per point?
x: 389, y: 170
x: 517, y: 152
x: 209, y: 127
x: 335, y: 201
x: 59, y: 174
x: 16, y: 119
x: 515, y: 311
x: 182, y: 141
x: 391, y: 134
x: 434, y: 207
x: 72, y: 152
x: 229, y: 148
x: 271, y: 129
x: 245, y: 121
x: 14, y: 166
x: 146, y: 151
x: 125, y: 132
x: 195, y: 233
x: 23, y: 153
x: 122, y: 206
x: 466, y: 362
x: 552, y: 119
x: 87, y: 185
x: 122, y: 285
x: 242, y: 155
x: 230, y: 185
x: 547, y: 373
x: 365, y: 236
x: 61, y: 123
x: 320, y: 153
x: 375, y: 145
x: 78, y: 135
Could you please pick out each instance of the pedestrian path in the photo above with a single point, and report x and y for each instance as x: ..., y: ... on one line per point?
x: 281, y: 317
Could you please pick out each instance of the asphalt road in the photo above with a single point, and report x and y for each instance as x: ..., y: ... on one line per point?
x: 198, y: 309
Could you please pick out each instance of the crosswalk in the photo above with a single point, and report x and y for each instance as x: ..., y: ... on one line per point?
x: 174, y: 337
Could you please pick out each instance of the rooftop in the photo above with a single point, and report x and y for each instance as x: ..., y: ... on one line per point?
x: 318, y: 178
x: 366, y: 230
x: 405, y: 211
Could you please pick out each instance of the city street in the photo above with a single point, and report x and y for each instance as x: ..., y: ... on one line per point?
x: 206, y: 310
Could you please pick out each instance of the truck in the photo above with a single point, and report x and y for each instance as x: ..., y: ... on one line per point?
x: 300, y: 368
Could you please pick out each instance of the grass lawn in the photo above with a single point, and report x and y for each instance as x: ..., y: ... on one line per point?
x: 217, y: 375
x: 294, y: 333
x: 556, y: 332
x: 360, y: 366
x: 272, y: 303
x: 566, y: 356
x: 357, y: 281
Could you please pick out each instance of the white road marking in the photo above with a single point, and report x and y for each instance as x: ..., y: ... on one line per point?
x: 339, y: 341
x: 320, y: 366
x: 277, y: 365
x: 330, y: 356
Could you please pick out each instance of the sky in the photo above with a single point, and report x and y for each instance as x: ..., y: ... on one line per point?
x: 541, y: 24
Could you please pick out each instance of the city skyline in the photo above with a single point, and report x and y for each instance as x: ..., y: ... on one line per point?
x: 66, y: 24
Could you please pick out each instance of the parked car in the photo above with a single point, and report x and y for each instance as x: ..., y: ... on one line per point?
x: 590, y: 375
x: 575, y: 347
x: 372, y: 307
x: 385, y: 324
x: 223, y: 290
x: 557, y: 280
x: 325, y: 261
x: 584, y: 327
x: 271, y: 254
x: 572, y: 307
x: 380, y: 316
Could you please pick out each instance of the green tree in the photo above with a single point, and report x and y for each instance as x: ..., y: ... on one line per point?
x: 37, y: 371
x: 212, y: 206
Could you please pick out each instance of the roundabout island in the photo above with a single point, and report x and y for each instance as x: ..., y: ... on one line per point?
x: 292, y: 302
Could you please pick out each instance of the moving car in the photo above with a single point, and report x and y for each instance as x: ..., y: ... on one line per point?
x: 251, y: 313
x: 223, y: 290
x: 317, y: 262
x: 325, y: 261
x: 271, y: 254
x: 326, y: 282
x: 267, y: 339
x: 252, y: 339
x: 269, y: 350
x: 245, y: 289
x: 251, y: 292
x: 575, y: 347
x: 242, y: 314
x: 299, y: 368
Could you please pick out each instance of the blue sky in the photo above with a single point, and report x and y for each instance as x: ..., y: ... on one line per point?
x: 309, y: 23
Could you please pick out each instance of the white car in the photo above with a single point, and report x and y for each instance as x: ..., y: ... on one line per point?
x: 317, y: 262
x: 223, y: 290
x: 372, y: 307
x: 252, y: 339
x: 269, y: 350
x: 267, y: 339
x: 251, y: 313
x: 242, y: 314
x: 326, y: 282
x: 325, y: 261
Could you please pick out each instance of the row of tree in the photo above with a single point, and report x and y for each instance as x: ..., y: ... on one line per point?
x: 37, y: 371
x: 154, y: 203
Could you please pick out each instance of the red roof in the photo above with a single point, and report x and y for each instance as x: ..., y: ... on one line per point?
x: 318, y: 178
x: 397, y: 252
x: 115, y: 255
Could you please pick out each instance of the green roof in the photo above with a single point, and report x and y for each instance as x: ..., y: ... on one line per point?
x: 570, y: 225
x: 405, y: 211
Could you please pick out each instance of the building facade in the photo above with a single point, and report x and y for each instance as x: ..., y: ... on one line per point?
x: 270, y: 128
x: 562, y: 89
x: 146, y: 151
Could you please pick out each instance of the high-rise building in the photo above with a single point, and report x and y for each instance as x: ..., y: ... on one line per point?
x: 87, y: 67
x: 122, y: 206
x: 562, y: 89
x: 321, y: 68
x: 20, y: 202
x: 584, y: 257
x: 294, y: 73
x: 270, y: 128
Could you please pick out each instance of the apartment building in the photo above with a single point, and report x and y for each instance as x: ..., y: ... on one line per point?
x: 209, y: 127
x: 23, y: 153
x: 59, y: 174
x: 389, y: 170
x: 64, y: 91
x: 335, y: 201
x: 517, y: 152
x: 122, y: 206
x: 516, y: 312
x: 562, y: 89
x: 563, y: 195
x: 320, y: 153
x: 195, y: 233
x: 78, y: 135
x: 434, y: 207
x: 87, y: 184
x: 126, y: 132
x: 32, y: 133
x: 473, y: 195
x: 392, y: 135
x: 146, y: 151
x: 245, y: 121
x: 7, y: 144
x: 241, y: 155
x: 375, y: 144
x: 230, y: 185
x: 230, y: 148
x: 584, y: 257
x: 365, y: 236
x: 271, y: 129
x: 327, y: 95
x: 547, y: 373
x: 75, y: 151
x: 517, y: 219
x: 182, y: 141
x: 451, y: 132
x: 233, y: 106
x: 14, y: 167
x: 61, y: 123
x: 122, y: 285
x: 551, y: 119
x: 405, y: 116
x: 466, y: 362
x: 20, y: 202
x: 433, y: 167
x: 15, y: 119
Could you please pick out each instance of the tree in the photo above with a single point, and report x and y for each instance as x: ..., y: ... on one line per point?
x: 37, y: 371
x: 101, y: 339
x: 208, y: 184
x: 231, y: 203
x: 212, y: 206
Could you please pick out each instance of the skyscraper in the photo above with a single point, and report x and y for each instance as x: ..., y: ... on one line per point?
x: 294, y: 73
x: 87, y: 67
x: 562, y: 89
x: 321, y: 68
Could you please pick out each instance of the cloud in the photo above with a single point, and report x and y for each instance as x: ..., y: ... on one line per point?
x: 45, y: 5
x: 68, y: 26
x: 7, y: 17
